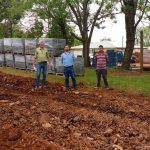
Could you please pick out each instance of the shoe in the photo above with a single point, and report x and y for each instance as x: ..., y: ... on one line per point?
x: 44, y: 86
x: 107, y: 88
x: 67, y: 88
x: 97, y: 87
x: 35, y: 88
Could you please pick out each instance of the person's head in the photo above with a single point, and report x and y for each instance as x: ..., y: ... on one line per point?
x: 66, y: 48
x: 41, y: 44
x: 101, y: 48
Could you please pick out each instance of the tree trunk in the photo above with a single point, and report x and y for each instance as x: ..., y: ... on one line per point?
x: 128, y: 53
x: 130, y: 35
x: 86, y: 49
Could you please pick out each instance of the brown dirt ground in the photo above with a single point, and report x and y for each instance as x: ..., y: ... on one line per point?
x: 85, y: 119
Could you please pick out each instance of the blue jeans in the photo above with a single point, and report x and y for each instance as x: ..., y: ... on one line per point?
x: 103, y: 73
x: 69, y: 71
x: 41, y: 67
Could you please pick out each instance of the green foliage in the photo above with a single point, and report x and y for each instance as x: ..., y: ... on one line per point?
x: 146, y: 38
x: 4, y: 4
x: 17, y: 32
x: 11, y: 11
x: 54, y: 12
x: 36, y: 31
x: 76, y: 42
x: 2, y: 32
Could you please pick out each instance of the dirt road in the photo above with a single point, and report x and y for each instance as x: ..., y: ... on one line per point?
x: 85, y: 119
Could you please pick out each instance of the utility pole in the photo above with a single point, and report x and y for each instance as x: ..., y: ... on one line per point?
x: 122, y: 42
x: 141, y: 50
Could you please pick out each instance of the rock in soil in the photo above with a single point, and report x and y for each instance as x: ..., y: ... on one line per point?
x: 14, y: 134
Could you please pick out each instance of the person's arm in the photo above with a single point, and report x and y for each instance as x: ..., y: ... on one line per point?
x: 73, y: 57
x: 62, y: 58
x: 34, y: 58
x: 48, y: 58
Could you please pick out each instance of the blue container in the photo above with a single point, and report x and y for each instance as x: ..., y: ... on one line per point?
x: 112, y: 58
x: 120, y: 56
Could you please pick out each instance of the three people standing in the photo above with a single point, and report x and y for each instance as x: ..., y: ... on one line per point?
x: 67, y: 58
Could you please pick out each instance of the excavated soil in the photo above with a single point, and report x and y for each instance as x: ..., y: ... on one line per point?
x: 82, y: 119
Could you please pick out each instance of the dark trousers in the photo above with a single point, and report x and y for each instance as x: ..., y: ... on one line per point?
x: 103, y: 73
x: 69, y: 71
x: 41, y: 67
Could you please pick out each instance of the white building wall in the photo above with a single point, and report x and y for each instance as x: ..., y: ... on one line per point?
x: 77, y: 53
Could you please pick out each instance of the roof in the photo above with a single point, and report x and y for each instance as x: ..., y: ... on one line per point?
x: 106, y: 44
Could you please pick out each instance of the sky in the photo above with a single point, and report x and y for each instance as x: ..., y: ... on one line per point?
x: 115, y: 31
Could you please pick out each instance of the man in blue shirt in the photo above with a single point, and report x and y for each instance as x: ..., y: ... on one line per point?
x: 67, y: 59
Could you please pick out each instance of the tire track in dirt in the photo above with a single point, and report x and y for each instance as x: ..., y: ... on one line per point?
x: 91, y: 120
x: 110, y: 107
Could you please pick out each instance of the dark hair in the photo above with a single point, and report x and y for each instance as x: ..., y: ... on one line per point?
x: 101, y: 46
x: 67, y: 45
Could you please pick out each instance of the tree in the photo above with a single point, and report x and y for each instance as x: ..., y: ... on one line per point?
x: 134, y: 11
x: 146, y: 31
x: 87, y: 19
x: 54, y: 12
x: 17, y: 32
x: 2, y: 30
x: 11, y: 11
x: 36, y: 31
x: 3, y: 9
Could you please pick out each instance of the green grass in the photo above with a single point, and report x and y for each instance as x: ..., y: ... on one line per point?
x: 132, y: 82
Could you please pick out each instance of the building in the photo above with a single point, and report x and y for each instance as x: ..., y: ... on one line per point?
x: 108, y: 45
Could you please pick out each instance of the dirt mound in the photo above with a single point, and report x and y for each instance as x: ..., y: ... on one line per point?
x: 84, y: 119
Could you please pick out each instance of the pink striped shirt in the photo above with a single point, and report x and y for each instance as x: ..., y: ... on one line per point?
x: 101, y: 59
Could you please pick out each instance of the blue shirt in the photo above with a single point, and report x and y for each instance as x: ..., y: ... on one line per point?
x: 67, y: 59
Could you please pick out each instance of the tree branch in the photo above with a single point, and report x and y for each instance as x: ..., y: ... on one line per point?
x: 76, y: 16
x: 121, y: 3
x: 95, y: 19
x: 140, y: 18
x: 77, y: 37
x: 75, y: 22
x: 106, y: 15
